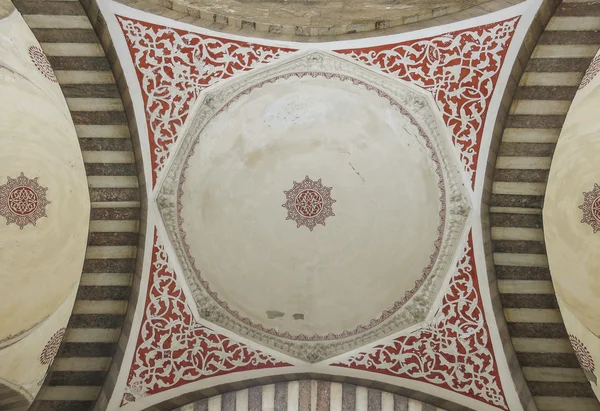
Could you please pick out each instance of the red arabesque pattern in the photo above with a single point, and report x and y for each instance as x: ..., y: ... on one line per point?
x: 172, y: 348
x: 454, y: 351
x: 459, y: 68
x: 173, y: 66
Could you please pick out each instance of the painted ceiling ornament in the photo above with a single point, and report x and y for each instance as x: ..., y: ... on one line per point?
x: 173, y: 349
x: 453, y: 351
x: 460, y: 70
x: 584, y: 357
x: 23, y: 201
x: 591, y: 208
x: 309, y: 199
x: 309, y: 203
x: 173, y: 74
x: 38, y: 57
x: 591, y: 72
x: 51, y: 348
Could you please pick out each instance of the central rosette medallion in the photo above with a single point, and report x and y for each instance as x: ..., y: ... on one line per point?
x: 386, y: 235
x: 309, y: 203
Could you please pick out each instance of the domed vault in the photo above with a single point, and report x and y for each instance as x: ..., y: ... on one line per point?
x: 302, y: 187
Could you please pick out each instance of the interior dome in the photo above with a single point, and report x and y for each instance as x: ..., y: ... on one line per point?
x: 355, y: 148
x: 300, y: 189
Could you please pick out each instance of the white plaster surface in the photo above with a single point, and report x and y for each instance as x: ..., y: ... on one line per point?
x: 587, y: 338
x: 386, y: 210
x: 572, y: 245
x: 40, y: 265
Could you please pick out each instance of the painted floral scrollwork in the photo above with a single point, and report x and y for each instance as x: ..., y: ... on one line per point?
x: 174, y: 66
x: 452, y: 351
x: 172, y: 348
x: 460, y: 69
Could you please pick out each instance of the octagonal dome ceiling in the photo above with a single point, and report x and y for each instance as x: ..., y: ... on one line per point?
x: 302, y: 188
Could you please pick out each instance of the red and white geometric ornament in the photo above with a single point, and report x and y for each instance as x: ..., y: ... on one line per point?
x: 591, y: 208
x: 23, y: 201
x: 309, y: 203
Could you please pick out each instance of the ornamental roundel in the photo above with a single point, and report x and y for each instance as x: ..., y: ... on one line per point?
x: 582, y: 353
x: 591, y: 208
x: 52, y: 346
x: 41, y: 63
x: 591, y: 72
x: 309, y: 203
x: 23, y: 201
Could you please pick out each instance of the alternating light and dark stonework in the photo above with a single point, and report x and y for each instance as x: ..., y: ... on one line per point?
x: 85, y: 76
x: 307, y: 395
x: 536, y: 116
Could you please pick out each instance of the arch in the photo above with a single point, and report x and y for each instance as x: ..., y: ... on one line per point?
x: 359, y: 27
x: 517, y: 252
x: 310, y: 386
x: 326, y: 395
x: 83, y: 72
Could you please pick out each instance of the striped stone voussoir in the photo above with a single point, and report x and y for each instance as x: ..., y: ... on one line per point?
x: 86, y: 79
x: 309, y: 395
x: 535, y: 119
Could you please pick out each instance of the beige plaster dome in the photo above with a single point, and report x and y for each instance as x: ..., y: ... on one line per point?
x: 572, y: 206
x: 44, y: 200
x: 303, y: 187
